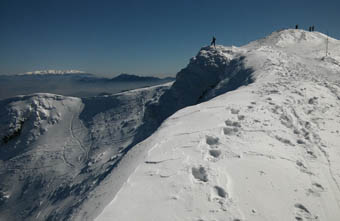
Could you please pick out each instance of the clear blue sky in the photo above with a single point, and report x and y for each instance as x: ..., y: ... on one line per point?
x: 145, y: 37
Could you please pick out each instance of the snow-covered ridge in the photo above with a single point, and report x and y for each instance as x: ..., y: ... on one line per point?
x: 266, y: 151
x: 291, y: 37
x: 42, y: 72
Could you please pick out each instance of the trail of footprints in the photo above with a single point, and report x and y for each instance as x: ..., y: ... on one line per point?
x: 218, y: 194
x: 200, y: 173
x: 232, y: 127
x: 302, y: 213
x: 214, y: 149
x: 221, y: 195
x: 305, y: 136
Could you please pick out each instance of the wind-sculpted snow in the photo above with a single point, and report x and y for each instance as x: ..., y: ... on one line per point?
x: 266, y: 151
x: 213, y: 71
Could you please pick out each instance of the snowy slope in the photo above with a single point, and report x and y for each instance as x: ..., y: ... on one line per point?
x: 266, y: 151
x: 55, y: 150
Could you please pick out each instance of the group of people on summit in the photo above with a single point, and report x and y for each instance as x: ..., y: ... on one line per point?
x: 311, y: 28
x: 213, y: 41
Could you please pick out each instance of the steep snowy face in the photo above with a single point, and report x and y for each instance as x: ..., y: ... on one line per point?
x: 265, y: 151
x: 30, y: 117
x: 35, y: 151
x: 213, y: 71
x: 56, y: 151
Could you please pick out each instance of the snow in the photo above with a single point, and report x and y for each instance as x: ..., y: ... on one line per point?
x: 266, y: 151
x: 64, y: 149
x: 244, y: 133
x: 42, y: 72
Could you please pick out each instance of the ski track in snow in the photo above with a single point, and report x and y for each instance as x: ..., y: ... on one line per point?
x: 81, y: 147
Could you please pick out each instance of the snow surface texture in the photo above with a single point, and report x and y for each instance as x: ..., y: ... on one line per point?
x: 266, y: 151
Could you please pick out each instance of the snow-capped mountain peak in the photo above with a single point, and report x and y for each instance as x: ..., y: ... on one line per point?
x: 288, y: 37
x: 43, y: 72
x: 301, y: 42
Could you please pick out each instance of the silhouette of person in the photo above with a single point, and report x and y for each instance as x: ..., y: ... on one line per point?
x: 296, y: 26
x: 313, y: 28
x: 213, y: 42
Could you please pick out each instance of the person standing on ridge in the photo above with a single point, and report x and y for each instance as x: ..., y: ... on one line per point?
x: 213, y: 42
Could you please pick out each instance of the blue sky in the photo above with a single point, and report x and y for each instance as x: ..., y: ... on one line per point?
x: 148, y: 37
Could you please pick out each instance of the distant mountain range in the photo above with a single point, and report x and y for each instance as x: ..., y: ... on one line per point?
x: 131, y: 77
x: 72, y: 83
x: 60, y: 72
x: 86, y: 77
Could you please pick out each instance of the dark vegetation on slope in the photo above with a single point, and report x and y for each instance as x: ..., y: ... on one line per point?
x: 14, y: 134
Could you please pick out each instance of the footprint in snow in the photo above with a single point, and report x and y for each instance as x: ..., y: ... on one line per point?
x: 234, y: 111
x: 303, y: 168
x: 200, y: 173
x: 211, y: 141
x: 302, y: 213
x: 315, y: 190
x: 284, y: 140
x: 318, y: 186
x: 299, y: 141
x: 230, y: 131
x: 232, y: 127
x: 311, y: 154
x: 313, y: 100
x: 232, y: 123
x: 213, y: 146
x: 215, y: 153
x: 220, y: 196
x: 240, y: 117
x: 220, y: 192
